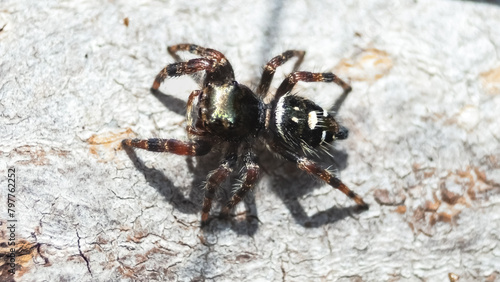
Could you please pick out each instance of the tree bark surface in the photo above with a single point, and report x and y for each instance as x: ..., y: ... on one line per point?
x: 423, y: 147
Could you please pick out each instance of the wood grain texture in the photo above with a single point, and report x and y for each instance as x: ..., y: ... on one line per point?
x: 423, y: 149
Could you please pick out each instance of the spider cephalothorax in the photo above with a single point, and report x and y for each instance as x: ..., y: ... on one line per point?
x: 227, y: 113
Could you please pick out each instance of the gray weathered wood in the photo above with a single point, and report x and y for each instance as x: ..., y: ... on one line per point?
x: 423, y: 150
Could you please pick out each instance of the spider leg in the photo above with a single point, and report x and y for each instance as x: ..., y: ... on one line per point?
x: 250, y: 177
x: 197, y: 50
x: 192, y: 129
x: 182, y: 68
x: 315, y: 169
x: 178, y: 147
x: 222, y: 70
x: 292, y: 79
x: 273, y: 64
x: 215, y: 178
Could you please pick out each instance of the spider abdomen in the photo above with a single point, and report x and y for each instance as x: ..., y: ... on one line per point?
x: 300, y: 122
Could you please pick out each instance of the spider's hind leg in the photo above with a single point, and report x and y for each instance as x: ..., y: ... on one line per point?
x: 315, y: 169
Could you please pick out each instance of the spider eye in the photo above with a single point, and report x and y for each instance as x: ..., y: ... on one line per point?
x: 235, y: 82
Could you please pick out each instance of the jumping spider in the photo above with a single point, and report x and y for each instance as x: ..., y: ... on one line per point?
x: 226, y: 113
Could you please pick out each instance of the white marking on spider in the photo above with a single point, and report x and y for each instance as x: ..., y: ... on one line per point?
x: 280, y: 111
x: 312, y: 120
x: 325, y: 113
x: 294, y: 119
x: 296, y: 108
x: 323, y: 135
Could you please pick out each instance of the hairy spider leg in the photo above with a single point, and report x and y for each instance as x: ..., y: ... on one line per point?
x: 182, y: 68
x: 292, y: 79
x: 315, y: 169
x: 222, y: 70
x: 178, y: 147
x: 197, y: 50
x: 191, y: 128
x: 273, y: 64
x: 250, y: 177
x: 214, y: 180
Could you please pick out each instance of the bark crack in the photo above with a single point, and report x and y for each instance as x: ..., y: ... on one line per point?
x: 82, y: 255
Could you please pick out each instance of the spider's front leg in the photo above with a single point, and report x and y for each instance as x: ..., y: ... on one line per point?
x: 182, y: 68
x: 250, y: 177
x: 197, y: 50
x: 221, y: 70
x: 315, y: 169
x: 193, y: 129
x: 214, y: 180
x: 273, y: 64
x: 178, y: 147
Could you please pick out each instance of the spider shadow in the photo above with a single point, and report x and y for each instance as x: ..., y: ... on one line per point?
x: 272, y: 29
x: 493, y: 2
x: 200, y: 167
x: 170, y: 102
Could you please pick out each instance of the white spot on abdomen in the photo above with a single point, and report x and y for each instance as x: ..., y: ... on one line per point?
x: 312, y: 119
x: 279, y: 112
